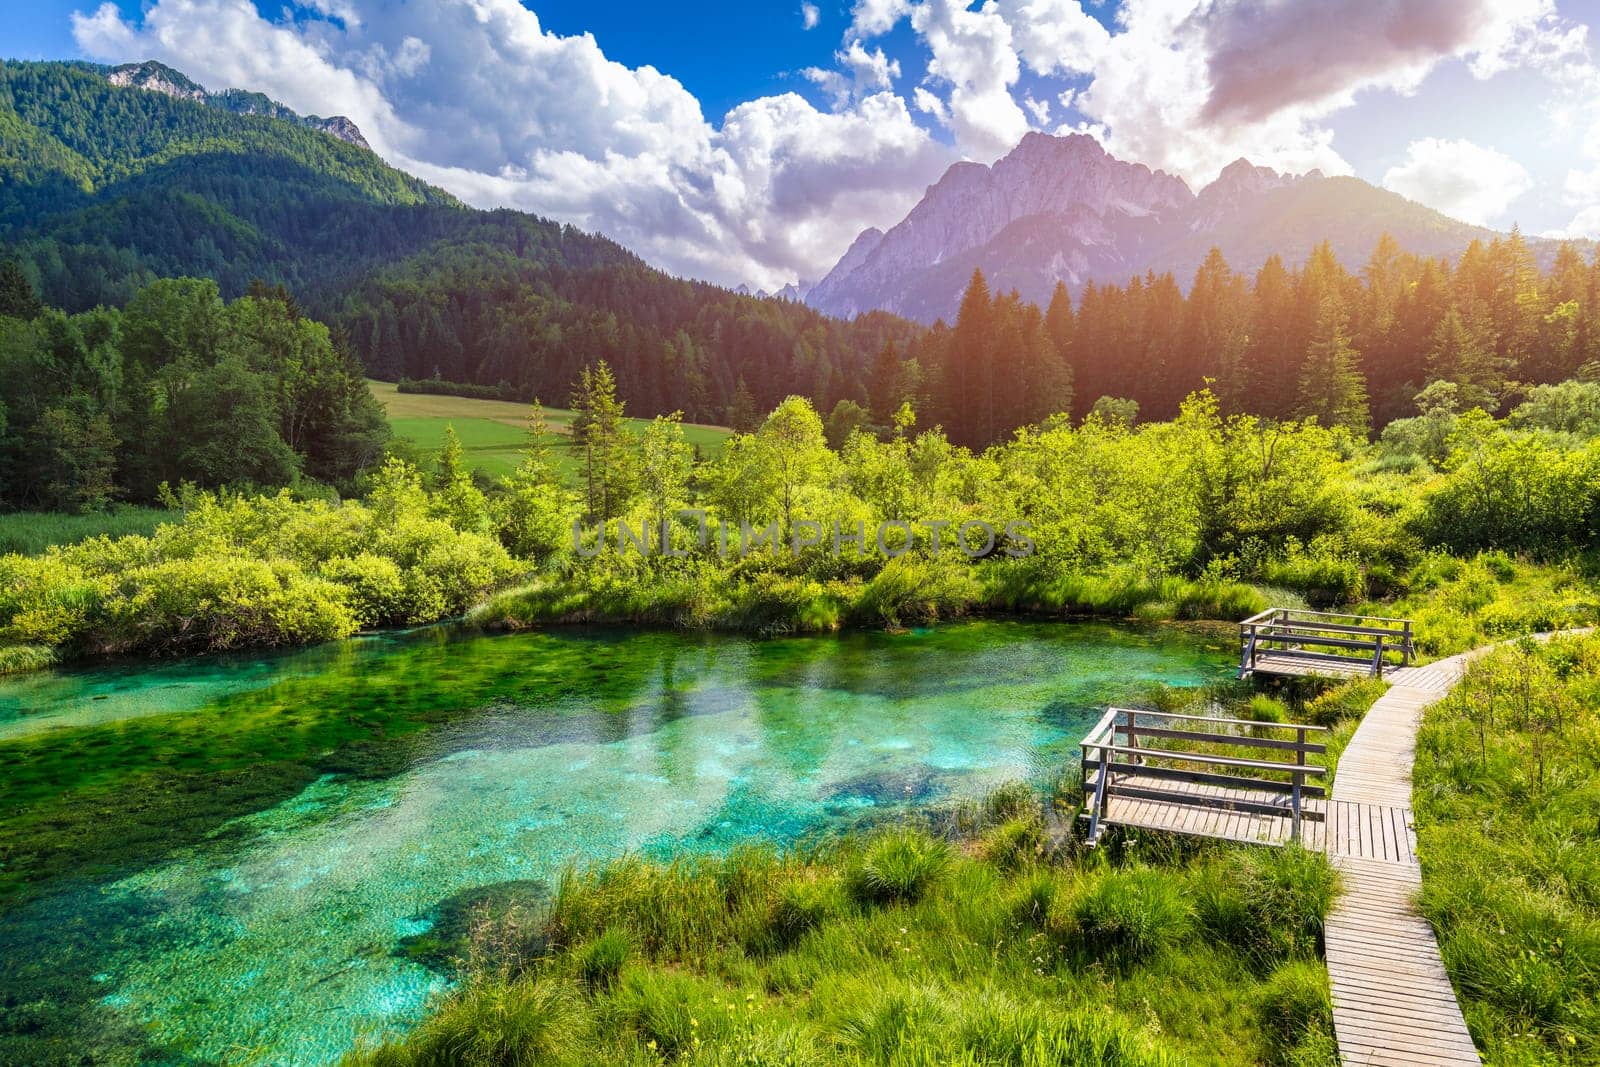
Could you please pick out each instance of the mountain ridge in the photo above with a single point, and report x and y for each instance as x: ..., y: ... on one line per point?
x: 1062, y: 209
x: 156, y: 77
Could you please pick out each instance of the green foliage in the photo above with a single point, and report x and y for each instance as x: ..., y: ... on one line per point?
x: 240, y: 572
x: 523, y: 1023
x: 761, y: 957
x: 601, y: 960
x: 901, y: 866
x: 1268, y: 903
x: 177, y: 386
x: 1296, y: 1011
x: 1505, y: 789
x: 1130, y: 915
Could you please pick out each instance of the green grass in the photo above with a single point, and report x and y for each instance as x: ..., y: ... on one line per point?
x: 1461, y: 604
x: 1508, y: 826
x: 903, y: 947
x: 31, y: 532
x: 493, y: 433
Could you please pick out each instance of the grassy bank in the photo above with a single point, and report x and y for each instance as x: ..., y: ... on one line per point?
x: 1508, y: 823
x: 907, y: 947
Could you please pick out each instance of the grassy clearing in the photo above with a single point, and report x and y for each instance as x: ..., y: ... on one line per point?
x: 493, y: 433
x: 1508, y: 824
x: 907, y: 947
x: 31, y: 532
x: 1461, y: 604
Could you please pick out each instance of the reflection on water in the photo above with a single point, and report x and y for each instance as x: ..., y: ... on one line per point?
x: 280, y: 941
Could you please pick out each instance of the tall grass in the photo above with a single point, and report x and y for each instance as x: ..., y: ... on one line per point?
x: 1508, y: 825
x: 905, y: 947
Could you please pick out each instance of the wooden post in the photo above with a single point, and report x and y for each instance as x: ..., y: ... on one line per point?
x: 1377, y: 658
x: 1299, y: 779
x: 1405, y: 653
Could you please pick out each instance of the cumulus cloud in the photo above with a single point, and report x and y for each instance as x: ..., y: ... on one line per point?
x: 870, y: 18
x: 864, y: 73
x: 1461, y: 179
x: 972, y: 51
x: 1190, y: 85
x: 1586, y: 224
x: 477, y: 96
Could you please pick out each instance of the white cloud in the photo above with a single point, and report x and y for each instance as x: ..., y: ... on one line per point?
x: 810, y: 16
x: 1056, y: 35
x: 1039, y: 109
x: 972, y: 51
x: 1585, y: 224
x: 1190, y: 85
x: 1461, y: 179
x: 870, y: 18
x: 930, y: 104
x: 476, y: 96
x: 864, y: 73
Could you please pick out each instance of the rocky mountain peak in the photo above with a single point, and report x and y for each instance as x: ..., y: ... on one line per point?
x: 155, y: 77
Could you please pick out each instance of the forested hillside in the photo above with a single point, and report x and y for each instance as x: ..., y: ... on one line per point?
x: 1352, y: 348
x: 107, y: 188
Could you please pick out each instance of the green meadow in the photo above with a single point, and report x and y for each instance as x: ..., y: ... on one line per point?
x: 493, y: 433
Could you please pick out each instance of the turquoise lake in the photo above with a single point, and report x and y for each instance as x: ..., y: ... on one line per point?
x: 277, y: 935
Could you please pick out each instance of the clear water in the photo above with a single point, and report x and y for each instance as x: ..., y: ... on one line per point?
x: 280, y: 939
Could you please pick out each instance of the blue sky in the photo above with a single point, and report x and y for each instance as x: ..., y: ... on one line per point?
x: 752, y: 141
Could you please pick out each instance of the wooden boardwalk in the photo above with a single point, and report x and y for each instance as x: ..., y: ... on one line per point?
x: 1393, y: 1005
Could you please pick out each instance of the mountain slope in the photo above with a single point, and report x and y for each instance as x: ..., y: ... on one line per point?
x: 104, y: 187
x: 1060, y: 209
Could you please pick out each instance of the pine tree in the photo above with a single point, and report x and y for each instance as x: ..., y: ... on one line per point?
x: 967, y: 358
x: 884, y: 389
x: 598, y: 435
x: 742, y: 414
x: 1463, y: 352
x: 1332, y: 389
x: 17, y: 298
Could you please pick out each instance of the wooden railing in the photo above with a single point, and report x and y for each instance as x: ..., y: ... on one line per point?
x: 1319, y: 636
x: 1119, y: 760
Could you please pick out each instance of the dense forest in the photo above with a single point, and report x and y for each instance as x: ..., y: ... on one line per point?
x: 176, y: 387
x: 1351, y: 348
x: 106, y: 189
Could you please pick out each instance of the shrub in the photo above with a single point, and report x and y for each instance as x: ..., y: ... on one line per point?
x: 803, y: 905
x: 601, y: 960
x: 503, y: 1024
x: 1296, y: 1014
x: 1130, y: 915
x: 1270, y: 903
x: 1263, y: 708
x: 900, y: 867
x: 1015, y: 843
x: 17, y: 658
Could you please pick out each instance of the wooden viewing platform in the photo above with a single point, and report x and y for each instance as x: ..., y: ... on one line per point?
x: 1393, y: 1005
x: 1292, y: 642
x: 1165, y: 771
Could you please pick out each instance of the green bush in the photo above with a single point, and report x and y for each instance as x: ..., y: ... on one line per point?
x: 1015, y: 843
x: 601, y: 960
x: 803, y: 905
x: 900, y: 867
x: 1296, y: 1013
x: 1130, y: 915
x: 525, y: 1023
